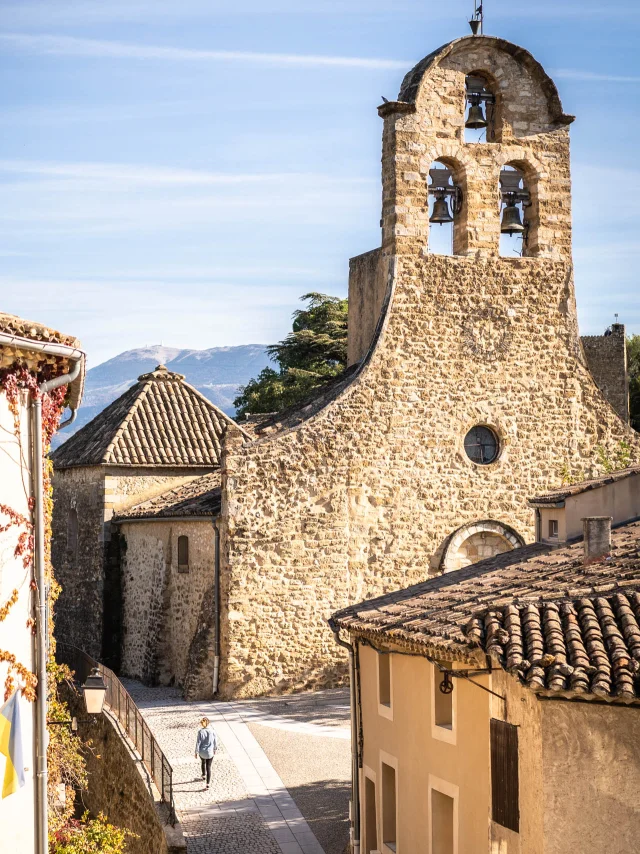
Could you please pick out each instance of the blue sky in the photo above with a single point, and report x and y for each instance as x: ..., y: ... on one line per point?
x: 181, y: 171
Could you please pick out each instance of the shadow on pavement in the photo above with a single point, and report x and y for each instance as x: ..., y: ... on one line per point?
x: 325, y: 805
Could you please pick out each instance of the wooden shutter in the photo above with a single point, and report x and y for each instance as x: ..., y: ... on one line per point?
x: 504, y: 774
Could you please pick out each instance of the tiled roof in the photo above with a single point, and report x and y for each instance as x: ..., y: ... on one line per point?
x: 437, y: 613
x: 160, y: 421
x: 554, y: 496
x: 47, y: 365
x: 199, y: 497
x: 12, y: 325
x: 586, y: 646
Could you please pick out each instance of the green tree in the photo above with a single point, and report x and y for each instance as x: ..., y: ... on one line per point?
x: 633, y: 361
x: 314, y: 352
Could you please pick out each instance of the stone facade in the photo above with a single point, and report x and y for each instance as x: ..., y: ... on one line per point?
x: 95, y: 494
x: 363, y: 495
x: 163, y: 602
x: 607, y: 360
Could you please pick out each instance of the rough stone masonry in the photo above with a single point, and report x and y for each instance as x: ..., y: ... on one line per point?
x: 364, y: 491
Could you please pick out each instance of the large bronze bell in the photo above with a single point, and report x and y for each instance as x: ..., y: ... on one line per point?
x: 475, y: 119
x: 511, y: 222
x: 441, y: 213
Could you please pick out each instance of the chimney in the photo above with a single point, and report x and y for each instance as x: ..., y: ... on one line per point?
x: 597, y: 538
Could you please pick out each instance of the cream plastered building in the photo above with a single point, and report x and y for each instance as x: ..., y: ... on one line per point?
x: 498, y: 708
x: 23, y: 345
x: 384, y: 480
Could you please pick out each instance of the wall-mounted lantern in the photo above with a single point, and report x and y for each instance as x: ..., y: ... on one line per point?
x: 448, y: 196
x: 512, y: 195
x: 94, y: 691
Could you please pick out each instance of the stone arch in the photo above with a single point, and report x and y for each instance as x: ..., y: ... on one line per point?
x: 459, y: 225
x: 476, y: 541
x: 492, y: 111
x: 414, y: 81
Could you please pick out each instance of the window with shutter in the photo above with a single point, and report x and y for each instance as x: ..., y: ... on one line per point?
x: 504, y: 774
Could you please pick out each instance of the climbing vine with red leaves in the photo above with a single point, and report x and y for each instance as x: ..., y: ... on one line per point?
x: 14, y: 382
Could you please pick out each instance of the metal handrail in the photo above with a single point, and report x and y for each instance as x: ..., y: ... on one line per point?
x: 125, y: 710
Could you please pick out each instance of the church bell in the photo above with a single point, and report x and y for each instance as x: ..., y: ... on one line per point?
x: 475, y: 119
x: 441, y: 213
x: 511, y: 222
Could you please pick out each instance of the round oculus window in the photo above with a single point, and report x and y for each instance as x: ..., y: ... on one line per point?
x: 481, y: 445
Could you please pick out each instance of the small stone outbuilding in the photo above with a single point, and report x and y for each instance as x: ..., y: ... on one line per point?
x: 170, y: 605
x: 160, y: 434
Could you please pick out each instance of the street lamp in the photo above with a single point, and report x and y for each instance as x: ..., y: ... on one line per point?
x: 94, y: 691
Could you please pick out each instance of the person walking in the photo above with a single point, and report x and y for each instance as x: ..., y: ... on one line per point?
x: 206, y: 746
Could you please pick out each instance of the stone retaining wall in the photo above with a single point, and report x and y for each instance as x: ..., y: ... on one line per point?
x: 120, y: 787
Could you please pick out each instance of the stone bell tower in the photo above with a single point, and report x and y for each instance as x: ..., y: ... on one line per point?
x: 469, y: 390
x: 527, y: 130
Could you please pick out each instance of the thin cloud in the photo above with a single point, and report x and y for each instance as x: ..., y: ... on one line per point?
x: 96, y: 49
x: 592, y: 76
x: 160, y: 176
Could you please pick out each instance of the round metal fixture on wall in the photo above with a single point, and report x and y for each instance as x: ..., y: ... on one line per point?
x: 481, y: 445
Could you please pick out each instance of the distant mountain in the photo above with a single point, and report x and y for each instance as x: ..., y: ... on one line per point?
x: 217, y: 373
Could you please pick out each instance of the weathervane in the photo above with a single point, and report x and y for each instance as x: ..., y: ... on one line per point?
x: 477, y: 20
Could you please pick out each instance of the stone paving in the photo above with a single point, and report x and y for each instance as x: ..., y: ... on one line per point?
x: 247, y: 810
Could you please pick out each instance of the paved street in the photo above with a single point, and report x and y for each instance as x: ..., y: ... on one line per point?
x: 280, y: 780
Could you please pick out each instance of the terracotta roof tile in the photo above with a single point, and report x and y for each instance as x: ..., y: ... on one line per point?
x: 160, y: 421
x: 586, y: 646
x: 199, y: 497
x: 554, y: 496
x: 536, y: 604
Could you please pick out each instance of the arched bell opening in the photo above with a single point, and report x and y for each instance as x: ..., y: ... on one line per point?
x: 516, y: 212
x: 482, y: 119
x: 446, y: 202
x: 478, y: 541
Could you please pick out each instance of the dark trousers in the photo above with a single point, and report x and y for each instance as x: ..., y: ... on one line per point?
x: 206, y: 768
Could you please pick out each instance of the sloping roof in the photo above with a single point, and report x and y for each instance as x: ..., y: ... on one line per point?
x: 27, y: 342
x: 556, y: 496
x: 32, y: 331
x: 160, y: 421
x: 293, y: 415
x: 585, y: 646
x: 200, y: 497
x: 440, y: 613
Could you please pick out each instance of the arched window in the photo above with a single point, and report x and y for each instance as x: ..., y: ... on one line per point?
x: 515, y: 204
x: 183, y: 554
x: 72, y: 530
x: 445, y: 204
x: 481, y: 120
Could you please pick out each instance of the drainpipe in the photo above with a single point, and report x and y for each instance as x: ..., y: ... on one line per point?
x: 355, y: 771
x: 41, y: 607
x: 216, y: 612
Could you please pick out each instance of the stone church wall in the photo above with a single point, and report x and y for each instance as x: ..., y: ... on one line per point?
x: 162, y: 604
x: 607, y: 359
x: 359, y: 498
x: 367, y: 287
